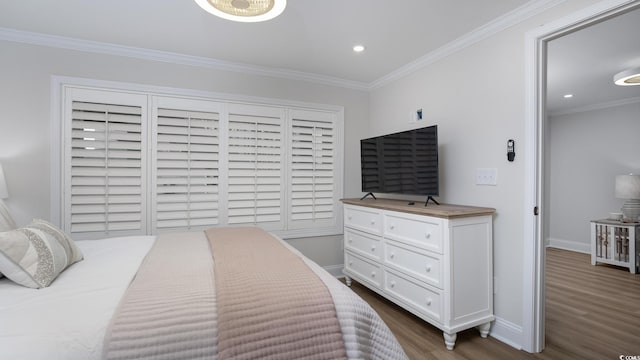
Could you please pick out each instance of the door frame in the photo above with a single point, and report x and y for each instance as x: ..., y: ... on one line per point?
x: 533, y: 329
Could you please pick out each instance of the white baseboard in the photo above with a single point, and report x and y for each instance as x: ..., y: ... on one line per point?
x: 335, y: 270
x: 507, y: 332
x: 569, y: 245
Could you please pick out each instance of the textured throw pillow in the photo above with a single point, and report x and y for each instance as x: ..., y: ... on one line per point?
x: 6, y: 221
x: 33, y: 256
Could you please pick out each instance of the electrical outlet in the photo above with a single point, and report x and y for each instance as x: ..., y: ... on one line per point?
x: 487, y: 176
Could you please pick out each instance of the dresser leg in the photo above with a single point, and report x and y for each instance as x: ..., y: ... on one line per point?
x: 347, y: 280
x: 484, y: 329
x: 450, y: 340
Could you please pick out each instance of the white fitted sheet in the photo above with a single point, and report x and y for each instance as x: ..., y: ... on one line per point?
x: 68, y: 320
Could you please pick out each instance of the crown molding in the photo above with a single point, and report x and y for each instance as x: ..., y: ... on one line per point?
x: 68, y: 43
x: 512, y: 18
x: 593, y: 107
x: 516, y: 16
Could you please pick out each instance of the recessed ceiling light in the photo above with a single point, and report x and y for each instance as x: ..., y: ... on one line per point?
x: 568, y: 96
x: 629, y: 77
x: 244, y: 10
x: 358, y: 48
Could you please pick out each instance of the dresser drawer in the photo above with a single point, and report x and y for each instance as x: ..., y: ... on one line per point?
x: 363, y: 219
x: 423, y: 232
x: 366, y: 270
x: 420, y: 296
x: 418, y: 263
x: 363, y: 244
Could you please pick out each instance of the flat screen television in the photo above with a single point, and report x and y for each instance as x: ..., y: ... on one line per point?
x: 401, y: 163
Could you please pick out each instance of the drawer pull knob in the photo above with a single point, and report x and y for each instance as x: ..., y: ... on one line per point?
x: 427, y: 235
x: 428, y: 268
x: 349, y: 217
x: 392, y: 255
x: 373, y: 222
x: 373, y: 248
x: 373, y: 274
x: 428, y: 302
x: 392, y: 226
x: 393, y: 283
x: 350, y: 240
x: 350, y: 263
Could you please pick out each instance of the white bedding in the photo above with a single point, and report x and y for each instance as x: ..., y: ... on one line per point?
x: 70, y: 317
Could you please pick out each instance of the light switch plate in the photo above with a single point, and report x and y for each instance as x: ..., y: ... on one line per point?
x: 487, y: 176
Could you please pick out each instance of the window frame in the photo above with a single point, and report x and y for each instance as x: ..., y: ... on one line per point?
x: 58, y: 140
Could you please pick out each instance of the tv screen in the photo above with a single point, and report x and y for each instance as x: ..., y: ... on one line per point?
x: 401, y: 163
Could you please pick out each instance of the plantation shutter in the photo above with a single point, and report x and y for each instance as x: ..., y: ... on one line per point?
x: 186, y: 157
x: 313, y: 167
x: 255, y: 166
x: 105, y: 178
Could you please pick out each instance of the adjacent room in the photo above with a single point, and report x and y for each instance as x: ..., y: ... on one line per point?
x: 319, y: 179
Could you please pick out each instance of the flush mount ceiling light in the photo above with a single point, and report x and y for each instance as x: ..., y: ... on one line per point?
x: 244, y: 10
x: 628, y: 77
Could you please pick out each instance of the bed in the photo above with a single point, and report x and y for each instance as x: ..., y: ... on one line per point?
x: 167, y: 297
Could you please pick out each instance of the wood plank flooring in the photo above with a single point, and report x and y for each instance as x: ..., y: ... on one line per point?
x: 592, y: 313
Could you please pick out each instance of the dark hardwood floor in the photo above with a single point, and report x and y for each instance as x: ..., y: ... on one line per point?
x: 592, y: 313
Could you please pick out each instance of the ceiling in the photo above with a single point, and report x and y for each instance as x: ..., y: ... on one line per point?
x: 315, y: 37
x: 311, y: 36
x: 583, y: 63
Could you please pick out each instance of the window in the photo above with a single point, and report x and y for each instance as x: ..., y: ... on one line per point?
x: 313, y: 162
x: 105, y: 167
x: 187, y: 161
x: 137, y: 162
x: 255, y: 167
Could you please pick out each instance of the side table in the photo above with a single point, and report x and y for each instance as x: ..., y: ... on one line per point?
x: 616, y: 243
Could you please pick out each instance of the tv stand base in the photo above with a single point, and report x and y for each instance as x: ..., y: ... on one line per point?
x: 432, y: 199
x: 373, y: 196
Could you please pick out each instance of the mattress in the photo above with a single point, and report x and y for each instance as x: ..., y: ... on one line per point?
x: 71, y: 318
x: 68, y: 319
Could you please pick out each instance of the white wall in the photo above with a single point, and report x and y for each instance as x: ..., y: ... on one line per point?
x: 586, y: 151
x: 476, y: 96
x: 25, y: 116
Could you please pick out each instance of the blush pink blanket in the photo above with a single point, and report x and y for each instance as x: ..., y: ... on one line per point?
x: 171, y: 309
x: 270, y: 304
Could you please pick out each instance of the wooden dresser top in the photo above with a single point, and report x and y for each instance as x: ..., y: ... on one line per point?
x: 446, y: 211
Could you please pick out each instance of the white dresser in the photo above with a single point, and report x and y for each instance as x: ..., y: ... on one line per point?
x: 436, y: 261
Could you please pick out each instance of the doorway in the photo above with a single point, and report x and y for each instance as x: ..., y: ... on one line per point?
x: 535, y: 130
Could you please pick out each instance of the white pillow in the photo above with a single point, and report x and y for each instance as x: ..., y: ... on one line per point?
x: 6, y: 220
x: 33, y: 256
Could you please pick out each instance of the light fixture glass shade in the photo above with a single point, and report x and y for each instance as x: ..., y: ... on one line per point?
x: 628, y: 187
x: 3, y: 185
x: 629, y: 77
x: 244, y: 10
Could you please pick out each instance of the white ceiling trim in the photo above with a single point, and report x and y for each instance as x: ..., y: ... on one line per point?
x: 592, y: 107
x: 514, y: 17
x: 170, y: 57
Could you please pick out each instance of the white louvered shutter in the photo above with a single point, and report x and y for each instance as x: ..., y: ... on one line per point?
x: 105, y: 177
x: 313, y: 189
x: 255, y: 166
x: 186, y: 157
